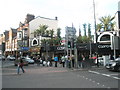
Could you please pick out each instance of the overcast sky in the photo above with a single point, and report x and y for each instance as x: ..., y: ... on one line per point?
x: 77, y: 12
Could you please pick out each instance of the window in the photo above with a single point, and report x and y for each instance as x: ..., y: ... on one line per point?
x: 20, y: 35
x: 105, y: 38
x: 34, y: 42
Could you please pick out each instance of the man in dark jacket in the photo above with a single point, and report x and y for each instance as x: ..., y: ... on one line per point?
x: 20, y: 65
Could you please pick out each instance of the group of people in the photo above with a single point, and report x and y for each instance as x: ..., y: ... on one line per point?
x: 63, y: 60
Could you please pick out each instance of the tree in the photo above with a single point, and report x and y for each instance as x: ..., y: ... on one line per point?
x: 47, y: 32
x: 89, y: 30
x: 99, y: 27
x: 106, y: 24
x: 57, y: 41
x: 41, y: 30
x: 51, y: 33
x: 84, y: 27
x: 59, y: 32
x: 83, y: 39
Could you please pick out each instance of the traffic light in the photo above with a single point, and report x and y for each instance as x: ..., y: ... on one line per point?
x: 69, y: 44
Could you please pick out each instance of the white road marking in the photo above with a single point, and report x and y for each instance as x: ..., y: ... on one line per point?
x: 116, y: 78
x: 103, y: 85
x: 94, y: 72
x: 108, y: 75
x: 98, y: 83
x: 108, y: 87
x: 90, y: 79
x: 114, y: 74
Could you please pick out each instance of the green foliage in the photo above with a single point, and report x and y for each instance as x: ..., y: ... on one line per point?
x: 84, y: 27
x: 106, y: 24
x: 59, y: 32
x: 83, y: 39
x: 89, y: 30
x: 51, y: 33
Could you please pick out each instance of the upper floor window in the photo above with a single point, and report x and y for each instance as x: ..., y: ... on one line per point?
x: 105, y: 38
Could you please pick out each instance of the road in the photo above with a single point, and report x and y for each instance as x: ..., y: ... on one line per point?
x: 52, y: 77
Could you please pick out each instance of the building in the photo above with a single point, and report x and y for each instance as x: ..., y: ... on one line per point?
x: 2, y: 44
x: 35, y: 42
x: 109, y: 41
x: 23, y: 36
x: 10, y: 42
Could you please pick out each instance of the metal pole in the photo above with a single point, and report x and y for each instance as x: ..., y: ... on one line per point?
x: 71, y: 54
x: 95, y: 21
x: 114, y: 47
x: 75, y: 55
x: 90, y: 50
x: 95, y: 33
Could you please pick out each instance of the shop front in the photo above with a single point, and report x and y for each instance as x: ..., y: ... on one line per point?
x: 35, y: 51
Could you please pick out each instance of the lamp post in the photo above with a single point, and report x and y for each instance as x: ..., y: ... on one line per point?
x: 95, y: 34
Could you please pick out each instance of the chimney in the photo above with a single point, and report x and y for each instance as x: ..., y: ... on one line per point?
x: 56, y: 18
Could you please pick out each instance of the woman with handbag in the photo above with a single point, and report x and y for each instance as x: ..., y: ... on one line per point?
x: 20, y: 65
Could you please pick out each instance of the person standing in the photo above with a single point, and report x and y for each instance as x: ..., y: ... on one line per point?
x: 43, y: 60
x: 63, y: 61
x: 50, y: 60
x: 83, y: 61
x: 20, y: 65
x: 79, y: 61
x: 56, y: 60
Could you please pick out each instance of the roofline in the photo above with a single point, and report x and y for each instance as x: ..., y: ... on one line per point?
x: 45, y: 18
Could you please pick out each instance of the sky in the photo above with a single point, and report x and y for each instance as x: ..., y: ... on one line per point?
x: 77, y: 12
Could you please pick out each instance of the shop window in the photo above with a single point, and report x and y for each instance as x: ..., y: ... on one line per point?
x: 34, y: 42
x: 105, y: 38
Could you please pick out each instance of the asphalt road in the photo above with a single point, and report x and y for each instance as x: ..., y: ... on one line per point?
x: 52, y: 77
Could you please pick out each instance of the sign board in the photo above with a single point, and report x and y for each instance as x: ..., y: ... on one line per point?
x: 115, y: 43
x: 25, y: 48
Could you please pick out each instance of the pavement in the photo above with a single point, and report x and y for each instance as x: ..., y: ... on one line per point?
x: 11, y: 63
x: 6, y: 63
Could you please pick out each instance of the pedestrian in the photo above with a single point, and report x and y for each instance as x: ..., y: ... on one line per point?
x: 43, y: 60
x: 50, y: 60
x: 38, y: 61
x: 63, y: 61
x: 66, y: 61
x: 83, y: 61
x: 79, y: 61
x: 20, y: 65
x: 56, y: 60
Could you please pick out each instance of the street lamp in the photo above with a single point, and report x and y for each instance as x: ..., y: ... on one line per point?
x: 95, y: 34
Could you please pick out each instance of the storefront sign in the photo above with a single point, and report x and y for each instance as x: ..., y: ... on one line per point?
x: 104, y: 46
x: 60, y: 48
x: 25, y: 48
x: 35, y: 49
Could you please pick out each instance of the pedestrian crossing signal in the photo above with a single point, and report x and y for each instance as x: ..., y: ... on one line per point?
x: 69, y: 44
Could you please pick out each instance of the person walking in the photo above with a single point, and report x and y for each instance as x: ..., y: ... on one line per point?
x: 20, y: 65
x: 56, y: 60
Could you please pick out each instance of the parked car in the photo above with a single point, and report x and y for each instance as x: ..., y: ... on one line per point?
x: 29, y: 60
x: 113, y: 65
x: 25, y: 63
x: 11, y: 58
x: 2, y: 58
